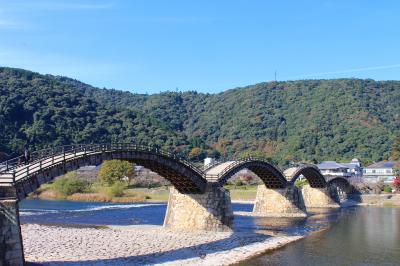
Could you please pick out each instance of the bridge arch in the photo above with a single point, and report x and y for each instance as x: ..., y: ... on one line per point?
x: 45, y: 165
x: 339, y: 188
x: 339, y: 180
x: 310, y: 172
x: 270, y: 175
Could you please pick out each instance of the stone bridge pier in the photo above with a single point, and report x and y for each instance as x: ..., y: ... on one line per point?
x: 210, y: 211
x: 319, y: 198
x: 279, y: 202
x: 11, y: 249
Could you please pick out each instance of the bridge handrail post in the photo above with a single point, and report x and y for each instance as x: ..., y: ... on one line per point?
x: 14, y: 175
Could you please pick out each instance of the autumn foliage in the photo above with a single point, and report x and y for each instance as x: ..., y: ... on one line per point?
x: 396, y: 183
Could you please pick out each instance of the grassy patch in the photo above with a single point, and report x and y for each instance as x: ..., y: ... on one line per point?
x: 90, y: 197
x: 162, y: 197
x: 242, y: 187
x: 300, y: 183
x: 239, y: 194
x: 159, y: 194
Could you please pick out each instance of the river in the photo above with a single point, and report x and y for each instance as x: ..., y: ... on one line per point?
x: 363, y: 236
x: 351, y: 236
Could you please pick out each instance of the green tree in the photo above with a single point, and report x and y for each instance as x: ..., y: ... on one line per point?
x: 196, y: 154
x: 396, y: 149
x: 113, y: 171
x: 70, y: 184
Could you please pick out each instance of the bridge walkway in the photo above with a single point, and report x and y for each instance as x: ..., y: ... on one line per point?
x: 9, y: 178
x: 212, y: 174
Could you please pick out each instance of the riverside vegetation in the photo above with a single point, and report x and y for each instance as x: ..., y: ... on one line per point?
x: 112, y: 185
x: 307, y: 120
x: 117, y: 182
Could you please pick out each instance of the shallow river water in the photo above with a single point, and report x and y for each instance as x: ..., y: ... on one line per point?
x: 353, y: 236
x: 363, y: 236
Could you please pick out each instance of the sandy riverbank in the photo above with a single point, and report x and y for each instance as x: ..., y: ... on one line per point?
x: 142, y: 245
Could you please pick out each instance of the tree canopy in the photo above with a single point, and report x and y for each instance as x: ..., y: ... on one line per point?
x: 113, y: 171
x: 307, y: 120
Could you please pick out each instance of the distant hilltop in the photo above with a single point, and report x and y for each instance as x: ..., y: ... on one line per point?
x: 306, y: 120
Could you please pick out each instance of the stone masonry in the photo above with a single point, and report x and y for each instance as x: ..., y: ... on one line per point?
x: 318, y: 198
x: 211, y: 211
x: 11, y: 249
x: 285, y: 202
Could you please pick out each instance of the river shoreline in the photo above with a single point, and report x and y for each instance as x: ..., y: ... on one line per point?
x: 132, y: 245
x: 47, y: 244
x: 161, y: 195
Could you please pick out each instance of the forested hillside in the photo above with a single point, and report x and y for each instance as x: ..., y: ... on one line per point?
x: 309, y: 120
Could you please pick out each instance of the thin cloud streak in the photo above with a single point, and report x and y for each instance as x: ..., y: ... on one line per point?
x: 56, y: 6
x: 345, y: 71
x: 6, y: 23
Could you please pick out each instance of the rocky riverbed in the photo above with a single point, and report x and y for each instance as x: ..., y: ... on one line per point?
x: 142, y: 245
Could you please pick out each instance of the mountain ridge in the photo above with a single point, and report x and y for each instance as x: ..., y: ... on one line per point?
x: 305, y: 120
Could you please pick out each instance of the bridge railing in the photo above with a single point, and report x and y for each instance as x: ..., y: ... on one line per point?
x: 216, y: 177
x: 16, y: 168
x: 207, y: 167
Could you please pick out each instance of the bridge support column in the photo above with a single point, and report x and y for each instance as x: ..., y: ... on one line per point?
x: 11, y: 249
x: 286, y: 202
x: 318, y: 198
x: 210, y: 211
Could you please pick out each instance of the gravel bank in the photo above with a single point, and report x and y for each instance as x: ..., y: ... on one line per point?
x: 142, y: 245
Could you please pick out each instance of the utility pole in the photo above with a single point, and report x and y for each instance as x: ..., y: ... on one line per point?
x: 275, y: 75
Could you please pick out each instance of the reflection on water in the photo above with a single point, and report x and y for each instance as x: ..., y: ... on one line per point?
x: 358, y: 236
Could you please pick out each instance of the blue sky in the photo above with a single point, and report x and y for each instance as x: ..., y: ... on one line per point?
x: 148, y: 46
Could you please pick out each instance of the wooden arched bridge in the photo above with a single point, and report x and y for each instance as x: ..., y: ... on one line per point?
x: 197, y: 200
x: 18, y: 177
x: 46, y: 164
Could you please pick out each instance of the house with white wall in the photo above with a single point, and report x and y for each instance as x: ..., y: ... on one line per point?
x: 381, y: 171
x: 334, y: 169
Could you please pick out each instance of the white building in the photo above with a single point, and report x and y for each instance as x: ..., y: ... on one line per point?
x: 208, y: 161
x: 334, y: 169
x: 352, y: 170
x: 354, y: 167
x: 380, y: 171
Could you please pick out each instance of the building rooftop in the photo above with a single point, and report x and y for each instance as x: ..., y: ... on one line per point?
x: 351, y: 165
x: 384, y: 165
x: 330, y: 165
